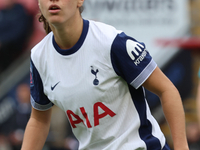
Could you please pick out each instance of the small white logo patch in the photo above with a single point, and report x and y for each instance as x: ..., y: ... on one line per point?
x: 133, y: 48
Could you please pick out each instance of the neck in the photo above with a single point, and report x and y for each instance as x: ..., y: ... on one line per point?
x: 68, y: 34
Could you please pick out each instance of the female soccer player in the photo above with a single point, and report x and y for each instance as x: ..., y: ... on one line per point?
x: 97, y: 75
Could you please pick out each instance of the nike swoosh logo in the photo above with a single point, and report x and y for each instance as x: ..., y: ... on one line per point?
x: 53, y: 87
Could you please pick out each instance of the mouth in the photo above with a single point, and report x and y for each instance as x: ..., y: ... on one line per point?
x: 54, y: 7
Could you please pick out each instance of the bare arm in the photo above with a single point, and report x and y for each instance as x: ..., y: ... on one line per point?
x: 171, y: 102
x: 37, y: 130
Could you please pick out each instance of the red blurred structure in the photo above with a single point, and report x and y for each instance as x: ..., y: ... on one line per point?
x: 190, y: 43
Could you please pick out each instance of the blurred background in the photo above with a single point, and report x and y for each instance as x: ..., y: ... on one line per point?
x: 169, y: 28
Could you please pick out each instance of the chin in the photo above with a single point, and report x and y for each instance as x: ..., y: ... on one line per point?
x: 55, y: 20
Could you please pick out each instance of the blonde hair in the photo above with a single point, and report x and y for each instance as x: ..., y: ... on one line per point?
x: 46, y: 24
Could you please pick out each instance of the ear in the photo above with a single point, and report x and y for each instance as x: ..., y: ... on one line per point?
x: 80, y: 3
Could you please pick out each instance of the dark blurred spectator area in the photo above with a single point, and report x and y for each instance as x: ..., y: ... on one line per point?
x: 19, y: 29
x: 19, y: 32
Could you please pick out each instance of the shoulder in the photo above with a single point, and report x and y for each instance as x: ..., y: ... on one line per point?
x: 101, y: 25
x: 117, y: 38
x: 126, y: 44
x: 102, y: 35
x: 41, y: 51
x: 103, y: 30
x: 39, y: 48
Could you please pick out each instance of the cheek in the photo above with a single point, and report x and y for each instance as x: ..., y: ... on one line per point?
x: 40, y: 6
x: 41, y: 9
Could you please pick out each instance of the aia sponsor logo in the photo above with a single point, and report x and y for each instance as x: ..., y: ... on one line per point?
x: 76, y: 119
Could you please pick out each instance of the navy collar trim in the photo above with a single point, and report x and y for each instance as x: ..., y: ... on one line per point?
x: 76, y: 47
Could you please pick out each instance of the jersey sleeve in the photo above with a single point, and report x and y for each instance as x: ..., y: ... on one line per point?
x: 131, y: 60
x: 39, y: 100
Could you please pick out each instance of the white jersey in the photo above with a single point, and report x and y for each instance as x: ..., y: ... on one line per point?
x: 97, y: 83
